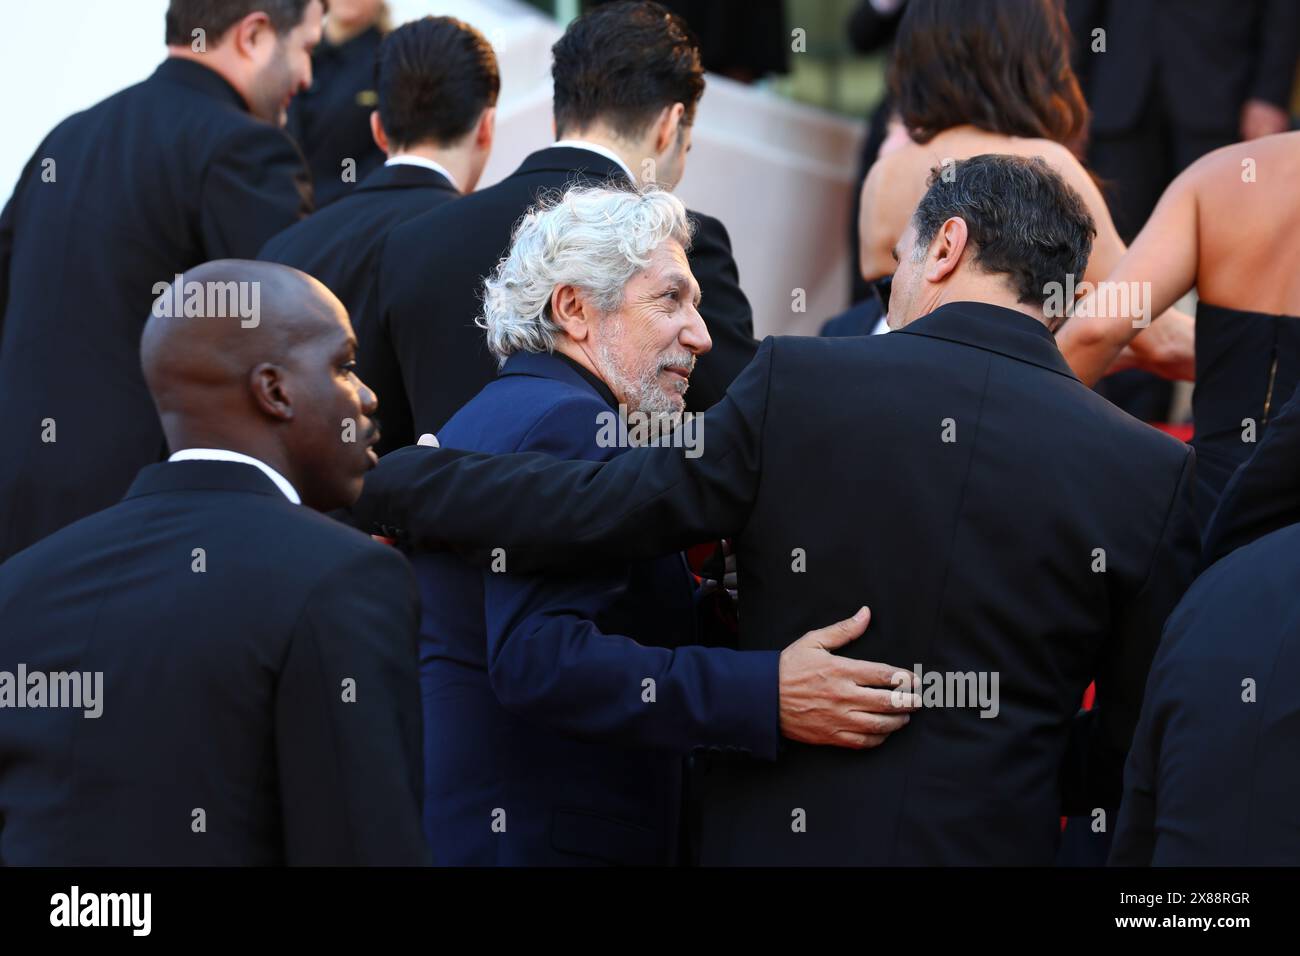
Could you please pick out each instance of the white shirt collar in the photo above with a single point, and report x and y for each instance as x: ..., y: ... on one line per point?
x: 409, y: 159
x: 597, y: 148
x: 221, y: 454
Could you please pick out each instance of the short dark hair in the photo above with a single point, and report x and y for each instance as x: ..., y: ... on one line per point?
x: 1022, y: 218
x: 215, y: 17
x: 435, y: 76
x: 622, y: 63
x: 1000, y: 65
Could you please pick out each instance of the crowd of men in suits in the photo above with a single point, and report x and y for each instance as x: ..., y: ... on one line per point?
x: 316, y: 641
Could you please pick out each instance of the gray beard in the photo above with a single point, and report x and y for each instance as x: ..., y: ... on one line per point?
x: 642, y: 393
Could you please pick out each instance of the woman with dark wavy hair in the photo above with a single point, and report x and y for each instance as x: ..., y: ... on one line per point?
x: 993, y: 76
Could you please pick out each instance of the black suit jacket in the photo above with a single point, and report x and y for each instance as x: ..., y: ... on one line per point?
x: 339, y: 245
x: 1213, y: 778
x: 828, y: 462
x: 1206, y: 57
x: 223, y: 688
x: 431, y: 276
x: 166, y: 174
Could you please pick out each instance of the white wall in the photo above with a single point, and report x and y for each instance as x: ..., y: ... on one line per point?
x: 778, y: 175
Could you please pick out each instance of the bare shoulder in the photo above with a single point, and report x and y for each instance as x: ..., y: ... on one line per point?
x: 1270, y: 159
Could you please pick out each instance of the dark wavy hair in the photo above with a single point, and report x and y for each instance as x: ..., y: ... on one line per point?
x: 1023, y: 220
x: 622, y: 63
x: 1000, y: 65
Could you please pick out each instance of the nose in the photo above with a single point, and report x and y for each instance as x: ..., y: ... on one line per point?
x: 695, y: 334
x: 369, y: 400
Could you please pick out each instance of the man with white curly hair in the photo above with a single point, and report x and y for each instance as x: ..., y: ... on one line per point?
x: 600, y: 276
x: 558, y: 709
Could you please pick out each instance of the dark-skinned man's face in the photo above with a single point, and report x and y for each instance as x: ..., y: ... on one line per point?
x: 332, y: 432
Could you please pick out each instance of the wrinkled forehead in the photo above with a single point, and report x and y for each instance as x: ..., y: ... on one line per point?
x: 669, y: 261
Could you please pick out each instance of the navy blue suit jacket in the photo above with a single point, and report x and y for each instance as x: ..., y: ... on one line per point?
x: 1213, y: 779
x: 545, y: 744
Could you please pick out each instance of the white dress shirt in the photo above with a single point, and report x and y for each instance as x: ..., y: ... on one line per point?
x: 597, y: 148
x: 221, y: 454
x: 409, y: 159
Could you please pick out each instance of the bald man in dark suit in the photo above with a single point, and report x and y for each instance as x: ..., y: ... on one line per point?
x: 246, y: 689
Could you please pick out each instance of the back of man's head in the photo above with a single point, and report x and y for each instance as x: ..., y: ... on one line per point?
x: 435, y: 77
x: 215, y: 17
x: 620, y: 64
x: 1023, y: 225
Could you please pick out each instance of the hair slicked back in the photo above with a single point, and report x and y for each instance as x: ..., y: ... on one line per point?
x: 435, y: 76
x: 1022, y: 220
x: 621, y: 63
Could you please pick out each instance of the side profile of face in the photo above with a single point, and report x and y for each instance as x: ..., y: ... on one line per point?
x: 645, y: 351
x: 281, y: 65
x: 931, y: 273
x: 905, y: 295
x: 332, y: 432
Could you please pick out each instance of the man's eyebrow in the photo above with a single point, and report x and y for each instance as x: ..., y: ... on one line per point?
x: 682, y: 281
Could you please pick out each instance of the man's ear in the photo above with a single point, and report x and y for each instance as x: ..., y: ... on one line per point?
x: 377, y: 132
x: 572, y: 312
x: 270, y: 391
x: 485, y: 132
x: 667, y: 126
x: 250, y: 33
x: 949, y: 246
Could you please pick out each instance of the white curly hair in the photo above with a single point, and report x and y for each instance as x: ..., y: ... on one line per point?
x: 595, y: 238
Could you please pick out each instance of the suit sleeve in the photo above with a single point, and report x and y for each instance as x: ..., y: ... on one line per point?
x: 726, y: 313
x: 1135, y: 833
x: 256, y: 186
x: 1277, y: 44
x: 547, y: 513
x: 347, y: 720
x: 1263, y: 494
x: 1100, y: 738
x: 550, y: 661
